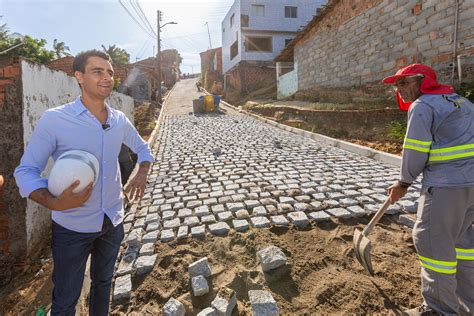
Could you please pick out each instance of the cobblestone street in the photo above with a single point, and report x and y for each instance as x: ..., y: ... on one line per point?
x: 218, y: 173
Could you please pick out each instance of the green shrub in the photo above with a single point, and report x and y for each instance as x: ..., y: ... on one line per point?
x: 467, y: 90
x: 397, y: 130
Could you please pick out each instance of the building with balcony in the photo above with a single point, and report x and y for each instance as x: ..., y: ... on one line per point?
x: 254, y: 32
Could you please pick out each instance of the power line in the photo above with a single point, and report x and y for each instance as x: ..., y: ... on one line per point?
x: 190, y: 43
x: 143, y: 49
x: 181, y: 36
x: 137, y: 13
x: 141, y: 15
x: 136, y: 21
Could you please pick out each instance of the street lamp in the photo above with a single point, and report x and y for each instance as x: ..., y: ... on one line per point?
x: 158, y: 55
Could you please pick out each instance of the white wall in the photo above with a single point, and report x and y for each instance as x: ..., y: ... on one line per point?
x: 273, y: 23
x: 287, y: 84
x: 278, y: 43
x: 275, y: 19
x: 43, y: 89
x: 229, y: 35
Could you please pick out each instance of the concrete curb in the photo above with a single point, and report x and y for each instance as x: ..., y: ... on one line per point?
x: 154, y: 133
x: 358, y: 149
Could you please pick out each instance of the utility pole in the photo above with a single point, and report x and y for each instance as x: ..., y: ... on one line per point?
x: 158, y: 55
x: 208, y: 33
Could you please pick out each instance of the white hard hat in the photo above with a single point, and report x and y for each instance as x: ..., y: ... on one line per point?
x: 71, y: 166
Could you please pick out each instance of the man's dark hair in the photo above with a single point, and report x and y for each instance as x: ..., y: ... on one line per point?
x: 80, y: 60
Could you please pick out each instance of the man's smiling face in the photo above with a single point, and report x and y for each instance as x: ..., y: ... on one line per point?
x: 97, y: 81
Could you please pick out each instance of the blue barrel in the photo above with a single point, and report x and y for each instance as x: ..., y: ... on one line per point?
x: 217, y: 100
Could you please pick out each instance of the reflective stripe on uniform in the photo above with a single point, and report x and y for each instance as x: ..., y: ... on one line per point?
x: 446, y: 267
x: 449, y: 153
x: 464, y: 254
x: 417, y: 145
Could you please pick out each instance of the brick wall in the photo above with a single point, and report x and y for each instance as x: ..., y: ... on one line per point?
x: 12, y: 222
x: 3, y: 222
x: 249, y: 76
x: 359, y: 42
x: 219, y: 60
x: 258, y: 75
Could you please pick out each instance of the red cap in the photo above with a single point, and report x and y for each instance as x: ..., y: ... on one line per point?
x: 429, y: 84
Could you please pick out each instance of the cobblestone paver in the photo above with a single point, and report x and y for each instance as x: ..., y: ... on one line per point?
x: 260, y: 176
x: 251, y: 183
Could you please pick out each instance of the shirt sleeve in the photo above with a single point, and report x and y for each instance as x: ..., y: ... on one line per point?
x: 417, y: 144
x: 136, y: 143
x: 40, y: 147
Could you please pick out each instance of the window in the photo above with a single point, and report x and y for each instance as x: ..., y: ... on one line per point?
x: 258, y: 44
x: 287, y: 41
x: 244, y: 20
x: 234, y: 49
x: 291, y: 12
x: 232, y: 20
x: 258, y: 10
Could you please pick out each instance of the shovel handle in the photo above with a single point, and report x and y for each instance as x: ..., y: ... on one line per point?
x: 376, y: 218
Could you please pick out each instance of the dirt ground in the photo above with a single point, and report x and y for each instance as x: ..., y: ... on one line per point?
x: 322, y: 275
x: 28, y: 287
x: 146, y: 114
x: 392, y: 147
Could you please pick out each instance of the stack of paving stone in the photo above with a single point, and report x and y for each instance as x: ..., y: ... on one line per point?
x: 263, y: 303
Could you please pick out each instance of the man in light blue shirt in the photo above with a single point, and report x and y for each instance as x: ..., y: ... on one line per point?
x: 89, y: 222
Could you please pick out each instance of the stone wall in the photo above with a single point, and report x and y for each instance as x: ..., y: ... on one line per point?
x: 356, y: 43
x: 12, y: 220
x: 32, y: 90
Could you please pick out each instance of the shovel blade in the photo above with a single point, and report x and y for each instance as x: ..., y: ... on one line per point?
x: 362, y: 247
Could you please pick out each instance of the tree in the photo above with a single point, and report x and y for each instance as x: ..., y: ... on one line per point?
x: 118, y: 55
x: 31, y: 48
x: 60, y: 48
x: 27, y: 46
x: 3, y: 31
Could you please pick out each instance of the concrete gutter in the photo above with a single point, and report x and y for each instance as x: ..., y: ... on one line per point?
x: 378, y: 155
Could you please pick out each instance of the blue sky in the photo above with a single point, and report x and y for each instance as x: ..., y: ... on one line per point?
x: 88, y: 24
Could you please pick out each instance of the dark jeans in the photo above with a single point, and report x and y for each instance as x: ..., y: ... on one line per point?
x: 70, y: 252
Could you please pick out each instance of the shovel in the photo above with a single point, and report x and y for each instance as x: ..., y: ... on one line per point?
x: 362, y: 243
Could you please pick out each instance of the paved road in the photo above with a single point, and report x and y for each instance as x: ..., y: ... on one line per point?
x: 216, y: 173
x: 219, y: 172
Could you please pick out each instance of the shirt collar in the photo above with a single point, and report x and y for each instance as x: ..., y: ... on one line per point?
x: 79, y: 108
